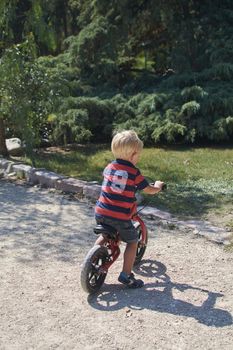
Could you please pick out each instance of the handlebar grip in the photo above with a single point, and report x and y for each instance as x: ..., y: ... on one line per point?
x: 164, y: 187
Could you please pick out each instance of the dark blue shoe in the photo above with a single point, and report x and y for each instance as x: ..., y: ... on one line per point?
x: 130, y: 281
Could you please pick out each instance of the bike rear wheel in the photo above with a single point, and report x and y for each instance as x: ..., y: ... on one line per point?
x: 141, y: 248
x: 92, y: 274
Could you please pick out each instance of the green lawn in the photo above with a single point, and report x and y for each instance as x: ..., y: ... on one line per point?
x: 199, y: 180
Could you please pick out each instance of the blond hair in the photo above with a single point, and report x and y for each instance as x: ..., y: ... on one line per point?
x: 125, y: 143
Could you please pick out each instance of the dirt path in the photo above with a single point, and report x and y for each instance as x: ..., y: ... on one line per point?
x: 186, y: 303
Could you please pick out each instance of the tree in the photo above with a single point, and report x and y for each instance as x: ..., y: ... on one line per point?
x: 127, y: 48
x: 3, y: 149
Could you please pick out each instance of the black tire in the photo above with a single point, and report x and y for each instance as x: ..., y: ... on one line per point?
x: 140, y: 248
x: 92, y: 277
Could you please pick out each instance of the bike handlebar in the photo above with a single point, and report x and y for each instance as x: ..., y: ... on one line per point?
x: 164, y: 187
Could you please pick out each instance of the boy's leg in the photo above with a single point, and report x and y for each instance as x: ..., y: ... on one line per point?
x: 129, y: 257
x: 126, y: 276
x: 127, y: 234
x: 100, y: 240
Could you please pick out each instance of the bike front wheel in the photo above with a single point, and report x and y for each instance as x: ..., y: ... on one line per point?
x: 92, y: 273
x: 141, y: 247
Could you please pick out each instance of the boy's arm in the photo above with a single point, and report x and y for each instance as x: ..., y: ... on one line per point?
x: 155, y: 188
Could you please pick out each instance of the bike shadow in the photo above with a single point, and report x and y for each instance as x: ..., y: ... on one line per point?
x: 163, y: 296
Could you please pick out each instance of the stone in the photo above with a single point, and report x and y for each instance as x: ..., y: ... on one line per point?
x: 14, y: 146
x: 22, y: 170
x: 6, y: 165
x: 92, y: 191
x: 70, y: 185
x: 44, y: 178
x: 150, y: 211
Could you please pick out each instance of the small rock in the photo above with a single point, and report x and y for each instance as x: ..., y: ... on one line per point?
x: 14, y: 146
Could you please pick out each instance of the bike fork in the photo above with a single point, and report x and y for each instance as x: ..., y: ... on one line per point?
x: 114, y: 254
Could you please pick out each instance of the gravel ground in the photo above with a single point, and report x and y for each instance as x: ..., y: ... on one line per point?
x: 186, y: 302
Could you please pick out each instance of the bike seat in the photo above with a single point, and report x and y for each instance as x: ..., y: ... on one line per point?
x: 105, y: 230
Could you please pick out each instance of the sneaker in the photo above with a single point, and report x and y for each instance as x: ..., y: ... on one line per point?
x: 130, y: 281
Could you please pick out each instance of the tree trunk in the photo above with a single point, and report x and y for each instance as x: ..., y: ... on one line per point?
x: 3, y: 149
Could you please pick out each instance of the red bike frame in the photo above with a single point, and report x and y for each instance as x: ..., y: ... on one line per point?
x: 113, y: 245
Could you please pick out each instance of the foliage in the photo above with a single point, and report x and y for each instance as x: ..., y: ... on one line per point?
x: 49, y: 21
x: 91, y: 47
x: 80, y: 118
x: 163, y: 68
x: 24, y: 91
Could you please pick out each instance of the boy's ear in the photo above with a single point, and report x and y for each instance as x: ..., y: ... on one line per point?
x: 133, y: 154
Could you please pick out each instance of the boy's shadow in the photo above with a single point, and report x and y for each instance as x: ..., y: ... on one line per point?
x: 159, y: 296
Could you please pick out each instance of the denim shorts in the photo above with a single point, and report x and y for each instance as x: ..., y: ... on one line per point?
x: 126, y: 229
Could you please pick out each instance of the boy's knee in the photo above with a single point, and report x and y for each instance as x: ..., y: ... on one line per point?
x: 132, y: 244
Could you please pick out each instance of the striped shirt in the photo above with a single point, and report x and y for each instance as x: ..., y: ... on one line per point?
x: 117, y: 197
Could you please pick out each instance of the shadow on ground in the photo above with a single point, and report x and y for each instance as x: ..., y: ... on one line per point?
x: 35, y: 224
x: 164, y: 296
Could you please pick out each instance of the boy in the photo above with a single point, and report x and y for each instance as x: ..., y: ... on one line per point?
x: 114, y: 206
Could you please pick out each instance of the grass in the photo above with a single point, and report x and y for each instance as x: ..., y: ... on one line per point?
x: 200, y: 180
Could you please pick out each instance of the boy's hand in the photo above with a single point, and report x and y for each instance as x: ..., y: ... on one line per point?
x: 154, y: 187
x: 159, y: 185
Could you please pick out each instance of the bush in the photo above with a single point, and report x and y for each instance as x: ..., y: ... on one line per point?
x: 81, y: 119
